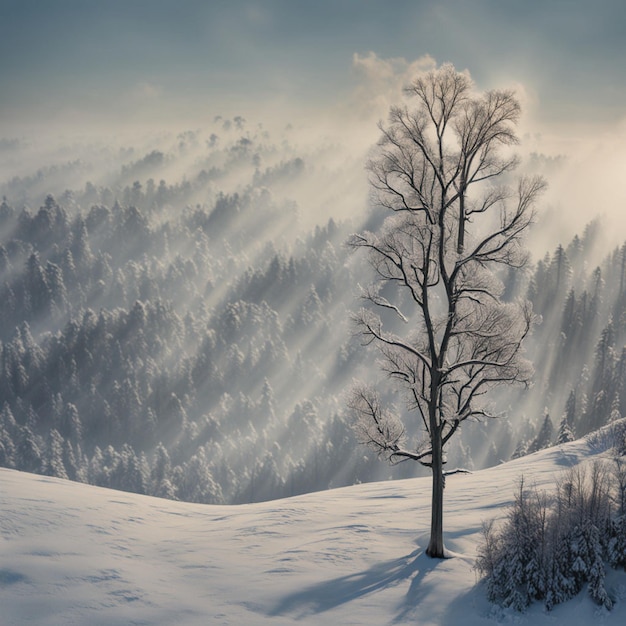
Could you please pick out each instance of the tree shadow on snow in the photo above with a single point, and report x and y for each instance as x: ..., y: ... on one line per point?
x: 333, y: 593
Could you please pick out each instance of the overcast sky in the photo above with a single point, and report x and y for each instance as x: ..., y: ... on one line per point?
x: 125, y: 60
x: 326, y: 67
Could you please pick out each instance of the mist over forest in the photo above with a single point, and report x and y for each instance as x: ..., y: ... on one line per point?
x: 175, y: 319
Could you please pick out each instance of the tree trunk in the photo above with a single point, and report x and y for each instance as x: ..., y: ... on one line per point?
x: 460, y: 245
x: 435, y: 546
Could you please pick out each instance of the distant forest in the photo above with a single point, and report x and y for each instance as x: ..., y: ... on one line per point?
x: 191, y: 339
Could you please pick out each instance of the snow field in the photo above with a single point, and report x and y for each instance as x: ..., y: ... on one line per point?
x: 73, y: 554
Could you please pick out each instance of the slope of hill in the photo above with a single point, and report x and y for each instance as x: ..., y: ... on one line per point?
x: 77, y: 554
x: 175, y: 318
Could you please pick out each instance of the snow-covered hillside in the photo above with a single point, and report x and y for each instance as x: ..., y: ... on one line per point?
x: 74, y: 554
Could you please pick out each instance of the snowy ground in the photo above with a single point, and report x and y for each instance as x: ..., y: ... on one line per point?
x: 75, y: 554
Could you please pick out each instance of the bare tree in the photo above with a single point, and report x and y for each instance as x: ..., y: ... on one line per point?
x: 449, y: 225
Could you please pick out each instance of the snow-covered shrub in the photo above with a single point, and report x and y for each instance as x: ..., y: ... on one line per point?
x: 513, y: 557
x: 549, y: 547
x: 610, y: 438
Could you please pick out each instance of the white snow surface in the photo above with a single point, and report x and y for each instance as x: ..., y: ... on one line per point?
x: 76, y: 554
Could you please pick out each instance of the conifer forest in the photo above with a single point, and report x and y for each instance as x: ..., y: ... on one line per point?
x: 188, y: 335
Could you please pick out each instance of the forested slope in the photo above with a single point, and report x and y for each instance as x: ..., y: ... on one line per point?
x: 190, y: 337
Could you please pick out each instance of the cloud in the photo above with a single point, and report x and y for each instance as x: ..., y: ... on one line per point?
x: 381, y: 81
x: 582, y: 163
x: 584, y: 168
x: 146, y: 91
x: 376, y: 68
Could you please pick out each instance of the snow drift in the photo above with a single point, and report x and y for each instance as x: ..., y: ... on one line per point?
x: 77, y: 554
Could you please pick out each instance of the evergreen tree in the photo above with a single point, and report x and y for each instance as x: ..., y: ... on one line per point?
x: 29, y: 456
x: 588, y: 564
x: 544, y: 437
x: 564, y: 434
x: 53, y: 463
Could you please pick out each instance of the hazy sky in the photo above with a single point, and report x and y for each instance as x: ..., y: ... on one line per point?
x: 325, y: 67
x: 179, y: 60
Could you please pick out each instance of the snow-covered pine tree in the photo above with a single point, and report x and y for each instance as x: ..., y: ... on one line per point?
x: 616, y: 547
x: 561, y: 584
x: 544, y: 437
x: 596, y: 571
x: 564, y: 434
